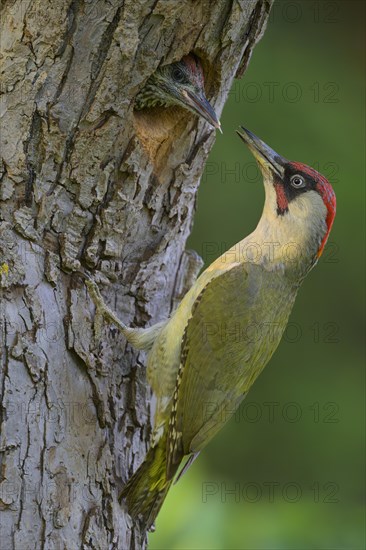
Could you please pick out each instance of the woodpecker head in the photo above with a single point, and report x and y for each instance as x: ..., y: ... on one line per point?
x: 300, y: 203
x: 182, y: 84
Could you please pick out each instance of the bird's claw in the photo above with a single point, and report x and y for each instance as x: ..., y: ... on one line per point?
x: 102, y: 311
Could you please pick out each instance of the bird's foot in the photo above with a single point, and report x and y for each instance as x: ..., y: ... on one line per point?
x: 102, y: 310
x: 140, y: 338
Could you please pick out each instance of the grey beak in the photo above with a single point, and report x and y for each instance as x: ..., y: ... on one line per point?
x: 263, y: 153
x: 200, y: 104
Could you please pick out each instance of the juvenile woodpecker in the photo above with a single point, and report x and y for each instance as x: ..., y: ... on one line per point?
x: 203, y: 360
x: 182, y: 84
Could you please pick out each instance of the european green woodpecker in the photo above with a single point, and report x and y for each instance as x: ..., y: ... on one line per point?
x: 203, y: 360
x: 181, y: 84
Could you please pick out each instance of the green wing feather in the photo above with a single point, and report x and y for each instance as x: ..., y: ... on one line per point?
x: 236, y: 324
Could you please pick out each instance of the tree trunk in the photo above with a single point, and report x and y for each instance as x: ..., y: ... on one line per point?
x: 87, y: 184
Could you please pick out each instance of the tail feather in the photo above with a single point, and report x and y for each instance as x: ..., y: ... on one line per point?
x: 145, y: 492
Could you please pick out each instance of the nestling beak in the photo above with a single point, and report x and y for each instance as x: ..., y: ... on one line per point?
x: 264, y: 155
x: 199, y: 104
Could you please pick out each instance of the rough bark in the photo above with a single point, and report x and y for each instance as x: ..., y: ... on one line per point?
x: 86, y: 183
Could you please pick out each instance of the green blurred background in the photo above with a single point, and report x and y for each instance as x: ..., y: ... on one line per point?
x: 293, y: 457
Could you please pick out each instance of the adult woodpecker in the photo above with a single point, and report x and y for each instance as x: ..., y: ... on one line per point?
x: 204, y: 359
x: 182, y: 84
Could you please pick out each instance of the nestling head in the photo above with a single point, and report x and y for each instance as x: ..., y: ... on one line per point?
x: 300, y: 203
x: 180, y: 83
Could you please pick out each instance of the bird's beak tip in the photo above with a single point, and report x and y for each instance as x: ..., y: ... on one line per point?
x: 244, y: 134
x: 265, y: 156
x: 200, y: 104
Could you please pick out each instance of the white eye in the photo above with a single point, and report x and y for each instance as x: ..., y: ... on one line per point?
x: 297, y: 181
